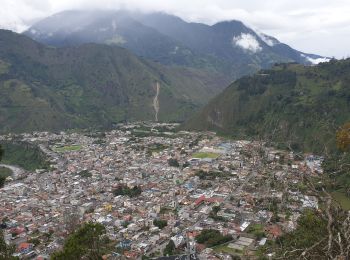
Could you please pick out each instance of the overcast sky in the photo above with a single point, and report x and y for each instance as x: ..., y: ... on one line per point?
x: 314, y: 26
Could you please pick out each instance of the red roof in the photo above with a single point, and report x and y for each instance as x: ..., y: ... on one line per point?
x: 18, y: 230
x: 200, y: 247
x: 199, y: 200
x: 210, y: 200
x: 23, y: 246
x: 131, y: 254
x: 193, y: 234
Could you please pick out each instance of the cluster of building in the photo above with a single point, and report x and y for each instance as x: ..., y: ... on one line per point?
x: 241, y: 188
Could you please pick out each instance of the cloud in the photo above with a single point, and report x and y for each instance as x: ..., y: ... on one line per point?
x: 267, y: 39
x: 247, y: 42
x: 316, y: 60
x: 310, y: 26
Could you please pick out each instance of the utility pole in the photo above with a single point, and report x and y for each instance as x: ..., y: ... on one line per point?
x: 190, y: 249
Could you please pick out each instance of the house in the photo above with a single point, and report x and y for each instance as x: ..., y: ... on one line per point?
x: 25, y: 248
x: 178, y: 240
x: 125, y: 244
x: 131, y: 254
x: 203, y: 199
x: 244, y: 225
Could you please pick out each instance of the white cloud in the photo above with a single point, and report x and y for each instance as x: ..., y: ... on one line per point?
x: 267, y: 39
x: 316, y: 61
x: 247, y: 42
x: 315, y: 26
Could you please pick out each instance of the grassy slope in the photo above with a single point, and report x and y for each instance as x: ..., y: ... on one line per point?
x: 43, y: 88
x: 26, y: 156
x: 292, y: 104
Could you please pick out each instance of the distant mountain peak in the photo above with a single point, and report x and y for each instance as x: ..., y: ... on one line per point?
x: 228, y: 47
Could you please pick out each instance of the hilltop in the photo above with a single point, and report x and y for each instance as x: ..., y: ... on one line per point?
x: 296, y: 105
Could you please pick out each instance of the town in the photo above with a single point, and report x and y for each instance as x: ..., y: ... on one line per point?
x: 148, y: 185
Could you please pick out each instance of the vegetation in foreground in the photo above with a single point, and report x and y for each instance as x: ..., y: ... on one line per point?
x: 87, y: 242
x: 323, y: 233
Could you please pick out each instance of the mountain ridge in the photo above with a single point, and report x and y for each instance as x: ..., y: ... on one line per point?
x: 228, y: 47
x: 298, y: 106
x: 92, y: 85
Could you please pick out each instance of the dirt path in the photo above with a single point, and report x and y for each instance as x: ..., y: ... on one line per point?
x: 156, y: 102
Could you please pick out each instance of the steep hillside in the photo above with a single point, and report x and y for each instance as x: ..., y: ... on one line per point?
x: 92, y: 85
x: 227, y: 47
x: 291, y: 104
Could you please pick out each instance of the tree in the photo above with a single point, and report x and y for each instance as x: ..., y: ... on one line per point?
x: 126, y: 191
x: 160, y: 223
x: 320, y: 234
x: 6, y: 251
x: 85, y: 243
x: 173, y: 162
x: 170, y: 248
x: 343, y: 137
x: 212, y: 237
x: 2, y: 181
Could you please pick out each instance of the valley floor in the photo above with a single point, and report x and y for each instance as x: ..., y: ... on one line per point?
x: 248, y: 192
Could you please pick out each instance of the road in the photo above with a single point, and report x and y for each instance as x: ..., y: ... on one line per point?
x: 16, y: 171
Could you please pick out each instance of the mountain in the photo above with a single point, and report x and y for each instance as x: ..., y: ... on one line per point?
x: 295, y: 105
x: 92, y: 85
x: 72, y: 28
x: 227, y: 47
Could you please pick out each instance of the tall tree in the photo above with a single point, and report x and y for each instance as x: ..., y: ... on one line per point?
x: 88, y: 242
x: 170, y: 248
x: 343, y: 137
x: 6, y: 251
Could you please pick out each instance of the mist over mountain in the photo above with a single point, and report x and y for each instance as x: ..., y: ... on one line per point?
x: 227, y: 47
